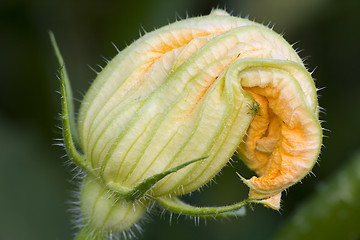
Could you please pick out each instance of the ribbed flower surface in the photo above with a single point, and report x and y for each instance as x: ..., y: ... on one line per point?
x: 186, y: 91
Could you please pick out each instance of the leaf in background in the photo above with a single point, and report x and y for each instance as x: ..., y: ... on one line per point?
x: 333, y: 212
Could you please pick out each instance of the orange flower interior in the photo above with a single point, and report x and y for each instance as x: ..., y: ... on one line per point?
x: 282, y: 142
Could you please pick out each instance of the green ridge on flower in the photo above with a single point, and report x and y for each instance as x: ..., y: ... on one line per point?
x: 167, y: 113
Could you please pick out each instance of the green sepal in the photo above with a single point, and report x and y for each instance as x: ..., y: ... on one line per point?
x: 174, y: 204
x: 68, y: 121
x: 65, y: 78
x: 140, y: 190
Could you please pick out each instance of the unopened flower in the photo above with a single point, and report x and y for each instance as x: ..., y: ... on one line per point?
x: 167, y: 113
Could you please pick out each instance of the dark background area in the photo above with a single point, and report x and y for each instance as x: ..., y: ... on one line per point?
x: 35, y: 183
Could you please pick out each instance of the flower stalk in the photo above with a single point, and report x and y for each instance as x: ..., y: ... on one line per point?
x: 167, y: 113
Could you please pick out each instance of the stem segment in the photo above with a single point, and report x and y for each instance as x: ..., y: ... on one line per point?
x: 86, y: 233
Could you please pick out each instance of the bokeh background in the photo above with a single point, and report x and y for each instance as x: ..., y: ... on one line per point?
x: 35, y: 183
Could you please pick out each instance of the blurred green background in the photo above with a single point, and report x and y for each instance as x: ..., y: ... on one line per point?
x: 35, y: 182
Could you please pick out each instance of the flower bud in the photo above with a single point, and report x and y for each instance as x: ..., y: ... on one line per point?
x: 200, y: 88
x: 100, y: 207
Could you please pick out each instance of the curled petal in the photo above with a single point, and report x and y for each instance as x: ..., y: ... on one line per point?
x: 284, y: 139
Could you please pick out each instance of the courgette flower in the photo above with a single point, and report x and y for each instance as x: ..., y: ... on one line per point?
x: 168, y: 112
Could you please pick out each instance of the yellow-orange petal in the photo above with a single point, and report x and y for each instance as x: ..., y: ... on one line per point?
x: 284, y: 138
